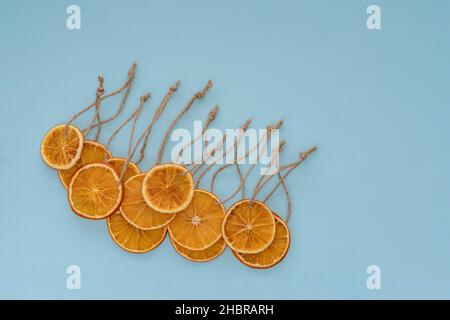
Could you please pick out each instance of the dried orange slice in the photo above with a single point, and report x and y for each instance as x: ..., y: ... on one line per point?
x: 118, y: 163
x: 136, y: 211
x: 205, y: 255
x: 61, y: 149
x: 198, y: 226
x: 133, y: 239
x: 276, y: 251
x: 94, y: 191
x: 92, y: 152
x: 248, y: 227
x: 168, y: 188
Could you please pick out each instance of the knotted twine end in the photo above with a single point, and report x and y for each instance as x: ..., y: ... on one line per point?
x: 101, y: 88
x: 145, y: 97
x: 247, y: 124
x: 174, y: 87
x: 304, y: 155
x: 213, y: 113
x: 132, y: 70
x: 202, y: 93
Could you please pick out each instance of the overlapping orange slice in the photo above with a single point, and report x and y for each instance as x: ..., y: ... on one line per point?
x: 273, y: 254
x: 92, y: 152
x: 198, y: 226
x: 61, y: 149
x: 94, y: 191
x: 168, y: 188
x: 249, y: 227
x: 131, y: 238
x: 136, y: 211
x: 118, y: 164
x: 205, y: 255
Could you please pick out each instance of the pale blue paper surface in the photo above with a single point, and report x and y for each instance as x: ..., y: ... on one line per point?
x: 376, y: 102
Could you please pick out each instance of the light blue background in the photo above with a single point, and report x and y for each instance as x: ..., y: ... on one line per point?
x: 376, y: 102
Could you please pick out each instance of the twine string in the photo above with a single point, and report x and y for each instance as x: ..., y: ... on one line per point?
x: 135, y: 116
x: 196, y: 96
x: 243, y: 179
x: 288, y: 197
x: 97, y: 114
x: 159, y: 111
x: 211, y: 117
x: 290, y: 167
x: 242, y: 130
x: 265, y: 178
x: 197, y: 166
x: 238, y: 170
x: 127, y: 87
x: 219, y: 146
x: 87, y: 108
x: 146, y: 134
x: 99, y: 128
x: 98, y: 95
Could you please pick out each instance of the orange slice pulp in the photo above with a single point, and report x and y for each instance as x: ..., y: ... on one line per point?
x: 276, y: 251
x: 168, y: 188
x: 92, y: 152
x: 248, y: 227
x: 94, y: 191
x: 198, y: 226
x: 205, y: 255
x: 118, y: 164
x: 136, y: 211
x: 132, y: 239
x: 60, y: 149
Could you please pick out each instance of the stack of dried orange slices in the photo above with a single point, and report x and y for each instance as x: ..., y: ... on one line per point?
x: 140, y: 208
x: 256, y: 236
x: 153, y: 199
